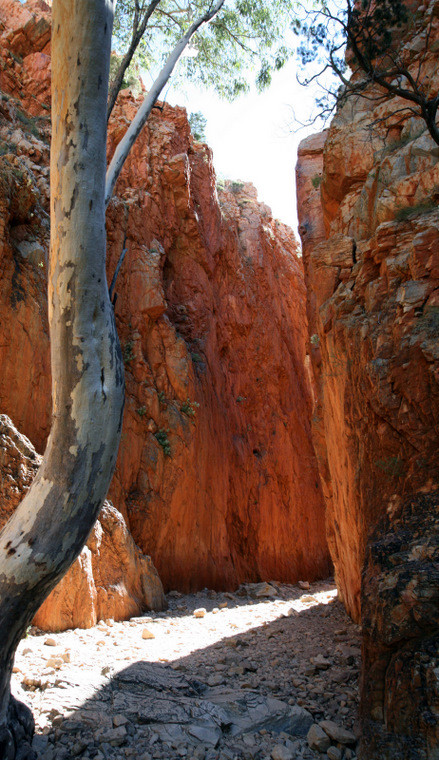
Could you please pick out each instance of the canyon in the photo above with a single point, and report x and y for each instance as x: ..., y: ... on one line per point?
x: 281, y: 413
x: 216, y: 476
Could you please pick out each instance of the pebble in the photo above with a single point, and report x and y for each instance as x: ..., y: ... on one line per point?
x: 334, y: 753
x: 252, y: 648
x: 280, y: 752
x: 200, y: 612
x: 337, y: 733
x: 318, y: 739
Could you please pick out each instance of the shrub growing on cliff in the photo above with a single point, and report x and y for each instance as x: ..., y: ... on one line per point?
x: 359, y: 44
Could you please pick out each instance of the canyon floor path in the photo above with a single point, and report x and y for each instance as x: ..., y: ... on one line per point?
x: 269, y: 672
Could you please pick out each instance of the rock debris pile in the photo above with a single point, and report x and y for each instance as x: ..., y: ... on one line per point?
x: 267, y: 672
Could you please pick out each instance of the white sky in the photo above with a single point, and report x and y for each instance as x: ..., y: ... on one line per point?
x: 253, y: 139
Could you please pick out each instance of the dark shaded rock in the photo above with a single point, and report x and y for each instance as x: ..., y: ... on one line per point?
x: 400, y: 603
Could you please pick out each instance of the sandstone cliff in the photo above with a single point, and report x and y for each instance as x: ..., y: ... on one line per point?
x: 216, y: 476
x: 367, y: 202
x: 111, y: 578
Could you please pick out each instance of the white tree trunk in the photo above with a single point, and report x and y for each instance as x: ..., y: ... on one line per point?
x: 52, y: 523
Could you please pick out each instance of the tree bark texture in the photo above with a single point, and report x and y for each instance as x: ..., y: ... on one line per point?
x: 52, y: 523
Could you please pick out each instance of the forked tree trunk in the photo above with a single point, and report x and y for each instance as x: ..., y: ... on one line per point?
x: 52, y: 523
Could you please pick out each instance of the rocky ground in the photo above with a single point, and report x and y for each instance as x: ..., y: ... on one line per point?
x: 268, y: 672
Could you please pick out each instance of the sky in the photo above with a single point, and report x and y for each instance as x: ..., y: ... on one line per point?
x: 255, y: 139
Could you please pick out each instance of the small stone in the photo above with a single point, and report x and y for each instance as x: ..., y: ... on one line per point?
x: 222, y: 605
x: 280, y: 752
x: 320, y: 662
x: 200, y: 612
x: 304, y: 585
x: 119, y: 720
x: 55, y: 662
x: 337, y: 733
x: 334, y: 753
x: 15, y: 669
x: 147, y: 634
x: 50, y: 642
x: 265, y: 589
x: 318, y: 739
x: 66, y: 656
x: 292, y: 612
x: 215, y: 680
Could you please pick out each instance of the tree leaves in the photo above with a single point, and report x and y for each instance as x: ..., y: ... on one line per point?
x: 244, y: 42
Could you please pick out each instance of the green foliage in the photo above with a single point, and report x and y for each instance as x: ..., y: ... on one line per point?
x: 316, y: 181
x: 141, y: 411
x: 236, y: 187
x: 162, y: 438
x: 132, y: 76
x: 162, y: 398
x: 128, y: 352
x: 196, y: 358
x: 244, y: 40
x: 30, y: 123
x: 189, y: 408
x: 314, y: 340
x: 197, y: 124
x: 6, y: 147
x: 367, y: 30
x: 408, y: 212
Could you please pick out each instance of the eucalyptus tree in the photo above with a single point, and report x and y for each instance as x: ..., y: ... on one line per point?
x: 52, y: 523
x: 353, y: 49
x: 243, y: 34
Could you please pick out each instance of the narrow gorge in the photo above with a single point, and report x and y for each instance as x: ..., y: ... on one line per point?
x: 280, y: 425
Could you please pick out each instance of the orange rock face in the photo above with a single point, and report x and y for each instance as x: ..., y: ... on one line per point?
x: 111, y: 578
x: 370, y: 238
x: 369, y: 225
x: 216, y: 474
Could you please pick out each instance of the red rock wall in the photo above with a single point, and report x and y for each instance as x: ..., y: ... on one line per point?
x: 369, y: 226
x: 367, y: 200
x: 216, y: 473
x: 111, y: 578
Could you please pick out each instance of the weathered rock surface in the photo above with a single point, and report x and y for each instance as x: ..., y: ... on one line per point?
x: 234, y: 684
x: 216, y: 476
x: 400, y: 608
x: 367, y: 203
x: 111, y: 578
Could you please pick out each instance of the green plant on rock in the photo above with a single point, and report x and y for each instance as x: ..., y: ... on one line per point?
x: 236, y: 187
x: 316, y: 181
x: 30, y: 123
x: 408, y: 212
x: 162, y: 438
x: 128, y: 352
x: 196, y: 358
x: 189, y: 408
x: 141, y: 411
x: 162, y: 398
